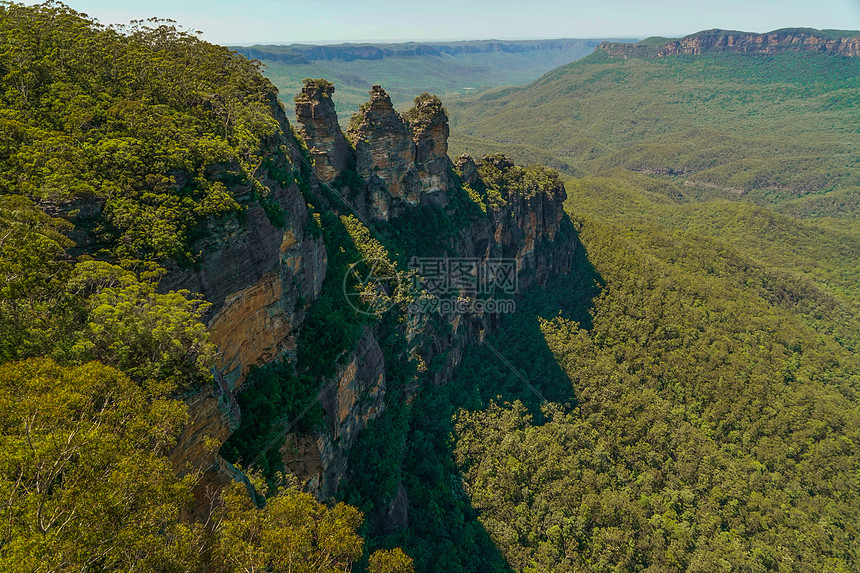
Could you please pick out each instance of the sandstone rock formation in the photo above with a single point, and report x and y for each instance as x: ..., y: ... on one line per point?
x: 429, y: 125
x: 467, y: 169
x: 316, y: 114
x: 385, y: 156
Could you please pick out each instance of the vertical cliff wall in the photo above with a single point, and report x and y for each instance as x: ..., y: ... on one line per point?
x: 259, y: 274
x: 777, y: 41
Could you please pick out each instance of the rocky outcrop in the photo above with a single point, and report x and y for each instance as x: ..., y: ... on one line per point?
x: 528, y: 235
x: 400, y: 161
x: 527, y: 220
x: 385, y: 156
x: 428, y: 122
x: 467, y: 169
x: 327, y: 145
x: 787, y: 40
x: 261, y: 274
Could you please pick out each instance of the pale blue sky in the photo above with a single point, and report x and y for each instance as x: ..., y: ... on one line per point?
x: 318, y: 21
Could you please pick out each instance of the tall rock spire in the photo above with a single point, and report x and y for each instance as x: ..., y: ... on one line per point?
x: 316, y: 113
x: 429, y: 124
x: 385, y: 155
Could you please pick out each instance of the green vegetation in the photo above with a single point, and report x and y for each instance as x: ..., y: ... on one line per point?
x: 685, y: 400
x: 711, y: 431
x: 147, y: 122
x: 805, y: 266
x: 695, y: 378
x: 84, y: 473
x: 767, y: 128
x: 137, y: 137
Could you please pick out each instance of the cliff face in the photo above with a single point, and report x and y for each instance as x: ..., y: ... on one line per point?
x: 315, y: 112
x: 742, y: 42
x: 255, y: 273
x: 261, y: 277
x: 350, y: 401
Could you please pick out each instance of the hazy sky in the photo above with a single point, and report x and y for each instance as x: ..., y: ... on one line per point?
x: 287, y: 21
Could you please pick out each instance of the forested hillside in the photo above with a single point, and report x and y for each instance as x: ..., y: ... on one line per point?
x: 776, y: 129
x: 710, y: 428
x: 118, y: 131
x: 699, y: 409
x: 680, y: 402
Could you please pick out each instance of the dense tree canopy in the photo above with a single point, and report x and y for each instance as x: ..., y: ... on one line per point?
x: 146, y: 121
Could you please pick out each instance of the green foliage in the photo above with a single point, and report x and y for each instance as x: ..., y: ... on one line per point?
x: 358, y: 117
x: 768, y: 127
x: 426, y: 107
x: 84, y: 477
x: 94, y: 310
x: 33, y: 272
x: 148, y: 335
x: 424, y: 230
x: 804, y: 266
x: 710, y: 427
x: 321, y: 85
x: 390, y: 561
x: 293, y: 532
x: 146, y: 120
x: 273, y: 396
x: 501, y: 181
x: 348, y: 178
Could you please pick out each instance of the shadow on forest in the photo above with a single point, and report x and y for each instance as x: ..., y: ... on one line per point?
x: 443, y: 531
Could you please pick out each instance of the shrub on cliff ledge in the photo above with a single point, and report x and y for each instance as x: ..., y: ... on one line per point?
x: 502, y: 180
x: 427, y: 108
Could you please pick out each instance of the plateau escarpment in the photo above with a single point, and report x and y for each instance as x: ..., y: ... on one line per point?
x: 787, y: 40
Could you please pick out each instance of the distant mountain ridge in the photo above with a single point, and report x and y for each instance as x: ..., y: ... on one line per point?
x: 348, y: 52
x: 841, y: 42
